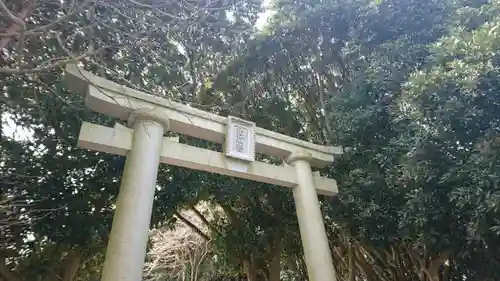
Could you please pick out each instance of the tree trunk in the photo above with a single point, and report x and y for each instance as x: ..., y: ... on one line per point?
x: 7, y: 274
x: 275, y: 262
x: 71, y: 264
x: 432, y: 270
x: 250, y: 270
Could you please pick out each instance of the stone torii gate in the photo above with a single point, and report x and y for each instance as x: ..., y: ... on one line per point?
x: 145, y: 146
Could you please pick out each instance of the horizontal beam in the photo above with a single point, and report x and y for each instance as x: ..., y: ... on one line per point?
x: 116, y: 100
x: 118, y: 141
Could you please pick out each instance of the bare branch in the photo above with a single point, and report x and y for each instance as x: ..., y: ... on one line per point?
x: 192, y: 226
x: 204, y: 220
x: 14, y: 28
x: 44, y: 28
x: 10, y: 15
x: 179, y: 253
x: 51, y: 66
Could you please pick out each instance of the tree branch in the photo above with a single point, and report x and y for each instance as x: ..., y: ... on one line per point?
x: 51, y: 66
x: 14, y: 28
x: 45, y: 28
x: 5, y: 10
x: 192, y: 226
x: 204, y: 220
x: 71, y: 264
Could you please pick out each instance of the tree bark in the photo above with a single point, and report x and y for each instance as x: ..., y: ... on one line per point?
x: 250, y: 270
x: 7, y: 274
x: 275, y: 260
x: 71, y: 264
x: 15, y: 27
x: 352, y: 268
x: 432, y: 270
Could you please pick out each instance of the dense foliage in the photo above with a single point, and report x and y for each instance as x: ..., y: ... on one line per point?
x: 410, y: 89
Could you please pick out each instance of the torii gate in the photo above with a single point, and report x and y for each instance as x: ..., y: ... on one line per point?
x: 145, y: 147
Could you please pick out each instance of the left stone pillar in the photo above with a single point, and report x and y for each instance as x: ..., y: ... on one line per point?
x: 128, y: 239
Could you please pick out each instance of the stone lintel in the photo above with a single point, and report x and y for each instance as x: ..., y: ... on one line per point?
x: 116, y: 100
x: 118, y: 141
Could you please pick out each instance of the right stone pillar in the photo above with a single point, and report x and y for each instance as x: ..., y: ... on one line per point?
x: 317, y: 253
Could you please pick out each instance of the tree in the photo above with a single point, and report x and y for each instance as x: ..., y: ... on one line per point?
x: 409, y: 88
x: 180, y: 253
x: 453, y: 107
x: 47, y: 170
x: 346, y: 64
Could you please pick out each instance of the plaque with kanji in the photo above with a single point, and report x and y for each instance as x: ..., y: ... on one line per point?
x: 240, y: 139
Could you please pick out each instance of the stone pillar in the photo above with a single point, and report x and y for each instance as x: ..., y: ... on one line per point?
x: 127, y: 245
x: 317, y: 254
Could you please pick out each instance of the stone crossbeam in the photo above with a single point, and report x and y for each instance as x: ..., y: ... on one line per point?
x: 118, y: 141
x: 115, y: 100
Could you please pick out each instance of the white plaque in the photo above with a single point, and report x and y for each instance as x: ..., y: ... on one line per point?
x: 240, y: 139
